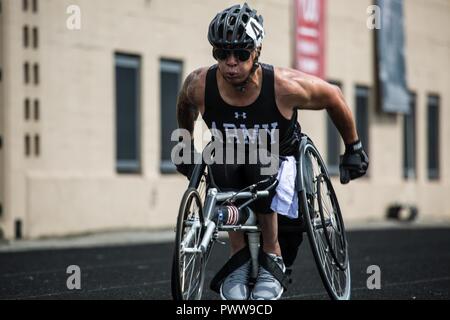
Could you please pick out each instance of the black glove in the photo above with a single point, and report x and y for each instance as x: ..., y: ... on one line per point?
x: 186, y: 169
x: 354, y: 162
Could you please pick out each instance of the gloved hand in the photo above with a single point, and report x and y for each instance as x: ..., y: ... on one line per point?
x: 186, y: 169
x: 354, y: 162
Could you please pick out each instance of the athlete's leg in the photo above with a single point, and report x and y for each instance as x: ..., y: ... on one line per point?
x: 267, y: 219
x: 237, y: 241
x: 228, y: 178
x: 267, y: 287
x: 235, y: 285
x: 268, y: 223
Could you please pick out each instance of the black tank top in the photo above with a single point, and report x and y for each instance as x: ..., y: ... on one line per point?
x: 243, y: 124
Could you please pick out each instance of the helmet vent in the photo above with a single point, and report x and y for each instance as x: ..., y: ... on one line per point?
x: 229, y: 35
x: 228, y: 28
x: 241, y: 30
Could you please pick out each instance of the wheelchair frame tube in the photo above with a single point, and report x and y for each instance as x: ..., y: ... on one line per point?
x: 210, y: 228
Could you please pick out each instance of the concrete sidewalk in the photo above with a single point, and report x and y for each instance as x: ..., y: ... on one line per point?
x: 112, y: 238
x: 135, y: 237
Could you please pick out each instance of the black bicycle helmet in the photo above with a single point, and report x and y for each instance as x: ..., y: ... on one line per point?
x: 238, y: 27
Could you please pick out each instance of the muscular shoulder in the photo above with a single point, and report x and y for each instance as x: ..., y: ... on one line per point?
x: 291, y: 82
x: 296, y: 87
x: 194, y: 87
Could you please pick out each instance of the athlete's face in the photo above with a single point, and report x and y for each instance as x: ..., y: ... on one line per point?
x: 235, y: 65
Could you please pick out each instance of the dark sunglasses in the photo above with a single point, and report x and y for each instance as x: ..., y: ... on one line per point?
x: 222, y: 54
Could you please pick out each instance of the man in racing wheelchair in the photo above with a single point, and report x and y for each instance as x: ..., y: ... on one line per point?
x: 241, y: 93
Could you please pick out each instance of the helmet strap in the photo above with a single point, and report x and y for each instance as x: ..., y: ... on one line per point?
x: 243, y: 86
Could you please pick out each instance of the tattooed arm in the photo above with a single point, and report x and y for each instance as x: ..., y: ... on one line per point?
x: 189, y: 105
x: 191, y: 100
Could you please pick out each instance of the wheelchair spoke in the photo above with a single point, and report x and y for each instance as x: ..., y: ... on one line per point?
x: 332, y: 238
x: 190, y: 279
x: 184, y: 271
x: 327, y: 210
x: 330, y: 269
x: 189, y: 263
x: 197, y: 282
x: 323, y: 250
x: 319, y: 244
x: 322, y: 254
x: 340, y: 283
x: 190, y: 267
x: 333, y: 285
x: 330, y: 265
x: 338, y: 280
x: 327, y: 205
x: 191, y: 288
x: 336, y: 244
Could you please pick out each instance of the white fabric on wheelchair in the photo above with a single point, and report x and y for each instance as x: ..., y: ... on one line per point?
x: 285, y: 201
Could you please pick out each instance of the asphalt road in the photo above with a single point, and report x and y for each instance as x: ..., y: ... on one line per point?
x: 414, y: 263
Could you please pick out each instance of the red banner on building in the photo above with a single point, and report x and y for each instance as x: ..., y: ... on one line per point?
x: 310, y: 36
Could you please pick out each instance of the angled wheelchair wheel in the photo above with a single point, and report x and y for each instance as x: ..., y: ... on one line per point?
x: 331, y: 218
x: 188, y: 268
x: 324, y: 223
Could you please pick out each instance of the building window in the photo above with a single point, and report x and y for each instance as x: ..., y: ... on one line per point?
x: 18, y: 229
x: 170, y: 81
x: 433, y: 139
x: 128, y: 113
x: 35, y: 6
x: 27, y: 109
x: 25, y: 36
x: 36, y: 73
x: 25, y: 5
x: 333, y: 143
x: 35, y: 38
x: 362, y: 115
x: 27, y: 145
x: 409, y: 140
x: 1, y: 74
x: 26, y: 72
x: 37, y: 145
x: 36, y: 110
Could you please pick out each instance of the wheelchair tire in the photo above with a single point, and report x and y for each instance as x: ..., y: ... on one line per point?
x: 331, y: 260
x: 337, y: 245
x: 188, y: 268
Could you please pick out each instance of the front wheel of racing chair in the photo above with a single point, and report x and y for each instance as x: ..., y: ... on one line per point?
x: 189, y: 265
x: 323, y: 221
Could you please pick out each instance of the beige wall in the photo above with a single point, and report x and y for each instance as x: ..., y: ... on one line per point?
x: 350, y: 60
x: 72, y: 187
x: 2, y: 130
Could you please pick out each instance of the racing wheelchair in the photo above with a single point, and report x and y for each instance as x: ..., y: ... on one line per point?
x: 201, y: 217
